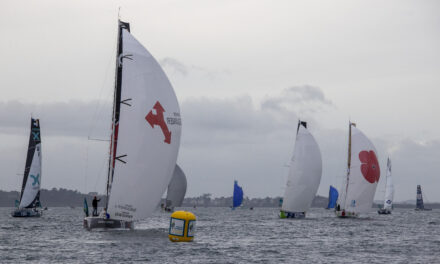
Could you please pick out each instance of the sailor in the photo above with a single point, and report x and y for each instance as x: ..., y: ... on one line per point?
x: 338, y: 208
x: 95, y: 206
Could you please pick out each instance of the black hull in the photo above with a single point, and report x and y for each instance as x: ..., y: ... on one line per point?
x: 384, y: 211
x: 424, y: 209
x: 26, y: 213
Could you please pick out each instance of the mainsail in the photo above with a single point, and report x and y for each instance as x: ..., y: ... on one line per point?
x: 176, y: 189
x: 363, y: 173
x: 30, y: 190
x: 146, y: 132
x: 332, y: 197
x: 304, y: 174
x: 419, y: 201
x: 389, y: 188
x: 237, y: 198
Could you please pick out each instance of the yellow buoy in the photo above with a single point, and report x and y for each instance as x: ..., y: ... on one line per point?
x: 182, y: 226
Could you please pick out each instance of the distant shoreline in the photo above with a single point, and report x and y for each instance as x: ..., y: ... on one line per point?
x: 65, y: 198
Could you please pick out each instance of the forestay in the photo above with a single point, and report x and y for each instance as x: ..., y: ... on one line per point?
x: 389, y: 188
x: 148, y: 134
x: 30, y: 191
x: 304, y: 174
x: 176, y: 189
x: 364, y: 174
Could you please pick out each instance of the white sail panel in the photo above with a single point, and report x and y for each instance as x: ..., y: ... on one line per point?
x: 176, y: 189
x: 389, y: 188
x: 364, y: 174
x: 149, y: 134
x: 304, y: 174
x: 33, y: 182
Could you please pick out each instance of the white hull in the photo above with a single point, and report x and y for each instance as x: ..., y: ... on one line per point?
x: 344, y: 214
x: 99, y: 222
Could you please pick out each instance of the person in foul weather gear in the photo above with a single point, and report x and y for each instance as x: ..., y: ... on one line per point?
x: 95, y: 206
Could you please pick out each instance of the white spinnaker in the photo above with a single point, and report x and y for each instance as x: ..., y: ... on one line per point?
x: 389, y: 188
x: 304, y: 174
x: 360, y: 192
x: 177, y: 188
x: 139, y: 183
x: 34, y: 179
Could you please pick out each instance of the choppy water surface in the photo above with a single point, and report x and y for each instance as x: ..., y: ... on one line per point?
x: 225, y: 236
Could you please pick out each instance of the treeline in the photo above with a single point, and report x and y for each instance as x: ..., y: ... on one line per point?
x: 52, y: 198
x: 64, y: 197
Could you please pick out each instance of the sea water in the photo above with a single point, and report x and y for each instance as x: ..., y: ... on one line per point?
x: 226, y: 236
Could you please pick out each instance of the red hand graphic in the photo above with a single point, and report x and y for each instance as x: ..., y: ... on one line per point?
x: 159, y: 120
x: 370, y: 167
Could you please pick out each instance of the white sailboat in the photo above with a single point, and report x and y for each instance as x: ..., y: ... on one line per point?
x: 176, y: 190
x: 30, y: 191
x: 304, y: 175
x: 145, y: 140
x: 389, y: 192
x: 363, y: 173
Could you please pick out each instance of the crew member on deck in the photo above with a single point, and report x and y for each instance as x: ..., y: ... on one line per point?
x: 95, y: 206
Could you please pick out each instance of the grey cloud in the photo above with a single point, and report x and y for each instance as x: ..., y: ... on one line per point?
x: 73, y: 118
x: 176, y: 65
x: 304, y: 99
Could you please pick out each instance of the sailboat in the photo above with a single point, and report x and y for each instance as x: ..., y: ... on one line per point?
x: 176, y: 190
x: 332, y: 197
x: 29, y: 201
x: 389, y: 192
x: 363, y: 173
x: 145, y: 139
x: 419, y: 202
x: 237, y: 197
x: 304, y: 175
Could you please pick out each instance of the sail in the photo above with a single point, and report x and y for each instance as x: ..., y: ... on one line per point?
x: 30, y: 190
x: 419, y: 202
x: 147, y: 132
x: 363, y: 174
x: 304, y: 174
x: 332, y: 197
x: 176, y: 189
x: 389, y: 188
x: 237, y: 198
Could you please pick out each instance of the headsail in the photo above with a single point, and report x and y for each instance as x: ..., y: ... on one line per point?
x: 146, y: 133
x: 363, y: 173
x: 237, y: 198
x: 304, y: 174
x: 332, y: 197
x: 30, y: 190
x: 389, y: 188
x: 419, y: 202
x: 176, y: 189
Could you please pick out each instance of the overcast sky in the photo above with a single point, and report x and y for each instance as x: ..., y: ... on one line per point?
x: 244, y: 72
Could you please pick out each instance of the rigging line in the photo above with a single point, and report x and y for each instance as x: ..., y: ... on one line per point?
x: 99, y: 104
x: 100, y: 174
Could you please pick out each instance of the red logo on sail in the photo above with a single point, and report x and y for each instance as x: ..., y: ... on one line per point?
x: 158, y: 119
x: 370, y: 167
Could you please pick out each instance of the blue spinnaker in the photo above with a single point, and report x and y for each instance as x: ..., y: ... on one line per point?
x: 332, y: 197
x: 86, y: 207
x: 238, y: 195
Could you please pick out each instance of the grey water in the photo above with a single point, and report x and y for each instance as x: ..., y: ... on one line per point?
x: 226, y: 236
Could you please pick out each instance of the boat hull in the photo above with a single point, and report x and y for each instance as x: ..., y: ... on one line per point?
x: 99, y: 222
x: 26, y: 212
x: 344, y: 214
x: 384, y: 211
x: 424, y: 209
x: 296, y: 215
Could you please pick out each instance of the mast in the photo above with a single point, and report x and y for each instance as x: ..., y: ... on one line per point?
x: 348, y: 161
x: 116, y: 108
